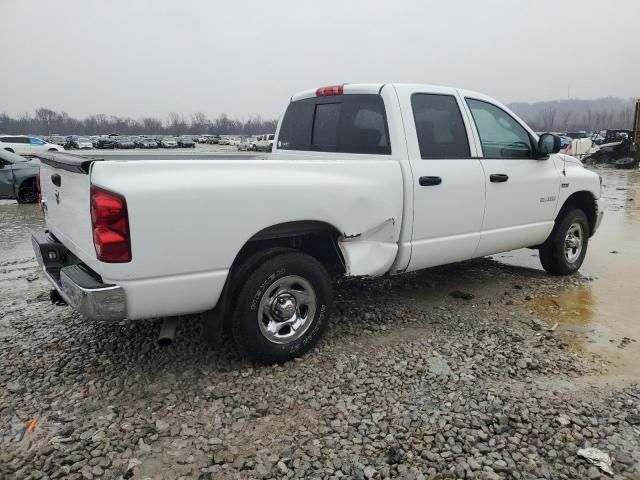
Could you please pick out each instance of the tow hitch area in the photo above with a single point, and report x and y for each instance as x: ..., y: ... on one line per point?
x: 56, y: 298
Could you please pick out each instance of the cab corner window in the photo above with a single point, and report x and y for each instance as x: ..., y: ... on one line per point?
x: 501, y: 135
x: 439, y: 126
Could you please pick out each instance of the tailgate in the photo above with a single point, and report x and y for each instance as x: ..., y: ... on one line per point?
x: 65, y: 185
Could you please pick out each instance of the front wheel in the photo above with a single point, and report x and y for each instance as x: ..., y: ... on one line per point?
x: 564, y: 251
x: 28, y: 193
x: 282, y: 308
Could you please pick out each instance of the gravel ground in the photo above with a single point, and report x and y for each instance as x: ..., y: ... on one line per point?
x: 442, y: 374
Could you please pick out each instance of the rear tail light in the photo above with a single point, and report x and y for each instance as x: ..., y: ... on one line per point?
x: 110, y: 224
x: 330, y: 91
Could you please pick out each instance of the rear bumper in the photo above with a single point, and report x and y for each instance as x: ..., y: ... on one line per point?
x: 76, y: 283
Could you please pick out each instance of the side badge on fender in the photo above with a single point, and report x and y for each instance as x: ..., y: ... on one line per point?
x: 57, y: 194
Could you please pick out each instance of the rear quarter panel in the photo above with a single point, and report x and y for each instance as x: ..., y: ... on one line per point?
x: 189, y: 219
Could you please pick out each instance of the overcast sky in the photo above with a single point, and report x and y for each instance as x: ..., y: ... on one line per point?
x: 146, y: 58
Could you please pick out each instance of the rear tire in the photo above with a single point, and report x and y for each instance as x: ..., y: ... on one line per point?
x: 282, y: 308
x: 564, y: 251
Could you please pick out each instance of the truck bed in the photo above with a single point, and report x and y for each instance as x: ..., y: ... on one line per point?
x: 80, y: 163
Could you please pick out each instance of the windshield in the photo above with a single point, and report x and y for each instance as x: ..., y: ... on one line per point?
x: 12, y: 157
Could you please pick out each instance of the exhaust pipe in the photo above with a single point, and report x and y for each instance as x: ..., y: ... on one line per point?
x: 167, y: 331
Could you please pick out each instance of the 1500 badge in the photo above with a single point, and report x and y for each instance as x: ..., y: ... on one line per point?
x: 548, y: 199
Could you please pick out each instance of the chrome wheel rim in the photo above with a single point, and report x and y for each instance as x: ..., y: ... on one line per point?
x: 573, y: 242
x: 286, y: 309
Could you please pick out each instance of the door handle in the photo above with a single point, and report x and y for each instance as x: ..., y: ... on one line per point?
x: 428, y: 181
x: 498, y: 177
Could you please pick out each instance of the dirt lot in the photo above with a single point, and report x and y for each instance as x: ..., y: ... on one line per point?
x: 448, y: 373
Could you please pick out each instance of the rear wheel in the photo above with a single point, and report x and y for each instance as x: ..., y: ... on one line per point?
x: 282, y: 308
x: 566, y: 247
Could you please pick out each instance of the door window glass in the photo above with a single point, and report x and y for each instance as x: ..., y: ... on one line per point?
x: 35, y: 141
x: 439, y: 126
x: 500, y: 135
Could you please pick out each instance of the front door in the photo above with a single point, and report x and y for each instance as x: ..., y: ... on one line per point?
x: 521, y: 191
x: 448, y: 182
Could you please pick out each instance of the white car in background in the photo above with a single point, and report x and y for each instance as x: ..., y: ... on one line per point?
x: 265, y: 142
x: 24, y: 145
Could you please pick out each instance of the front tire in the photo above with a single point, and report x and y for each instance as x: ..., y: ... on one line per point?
x: 564, y: 251
x: 282, y: 308
x: 28, y: 193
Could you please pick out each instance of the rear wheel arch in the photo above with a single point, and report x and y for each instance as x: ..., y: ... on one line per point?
x: 316, y: 238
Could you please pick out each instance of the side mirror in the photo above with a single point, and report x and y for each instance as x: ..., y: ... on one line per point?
x: 548, y: 143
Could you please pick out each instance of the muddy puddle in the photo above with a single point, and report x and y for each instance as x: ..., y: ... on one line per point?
x: 16, y: 224
x: 604, y: 316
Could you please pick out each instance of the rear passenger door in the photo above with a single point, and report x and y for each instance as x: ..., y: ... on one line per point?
x: 448, y: 182
x: 522, y: 191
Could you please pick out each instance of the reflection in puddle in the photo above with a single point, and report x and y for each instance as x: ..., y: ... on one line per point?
x: 16, y: 224
x: 572, y: 306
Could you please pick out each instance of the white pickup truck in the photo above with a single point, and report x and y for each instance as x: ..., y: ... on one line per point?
x: 369, y: 179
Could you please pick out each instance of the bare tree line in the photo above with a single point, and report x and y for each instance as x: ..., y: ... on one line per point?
x: 577, y: 115
x: 554, y: 116
x: 49, y: 122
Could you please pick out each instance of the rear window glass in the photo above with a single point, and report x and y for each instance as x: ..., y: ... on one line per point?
x: 439, y: 126
x: 346, y: 124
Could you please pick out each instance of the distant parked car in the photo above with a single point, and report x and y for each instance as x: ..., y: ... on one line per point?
x: 81, y: 143
x: 124, y: 142
x: 146, y: 143
x: 565, y: 142
x: 186, y: 142
x: 105, y: 142
x: 581, y: 134
x: 57, y: 139
x: 18, y: 178
x: 247, y: 143
x: 169, y: 142
x: 265, y: 143
x: 23, y: 145
x: 213, y: 140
